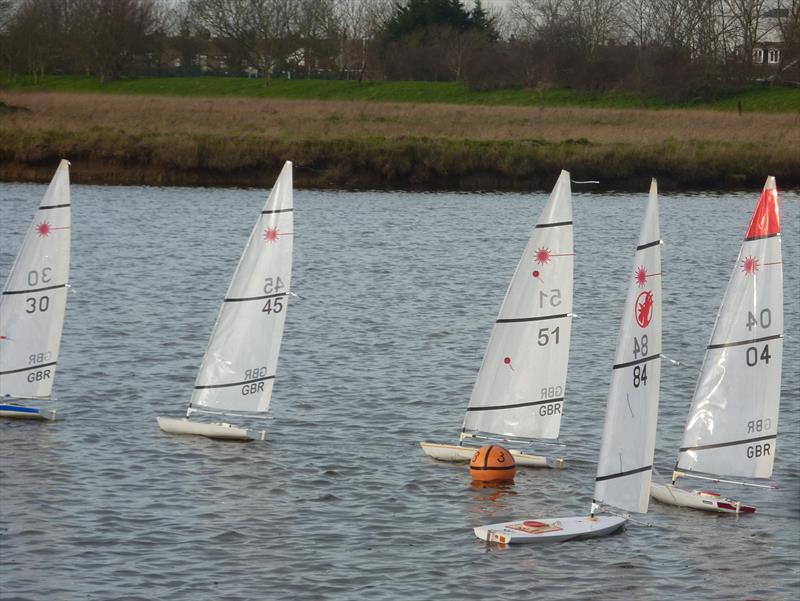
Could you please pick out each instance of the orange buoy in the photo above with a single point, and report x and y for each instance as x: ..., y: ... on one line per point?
x: 492, y: 463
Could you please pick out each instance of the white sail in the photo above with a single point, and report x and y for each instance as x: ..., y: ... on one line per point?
x: 239, y: 366
x: 519, y: 391
x: 733, y: 420
x: 626, y: 454
x: 35, y: 297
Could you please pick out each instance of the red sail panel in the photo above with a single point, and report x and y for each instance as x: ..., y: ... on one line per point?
x: 765, y: 220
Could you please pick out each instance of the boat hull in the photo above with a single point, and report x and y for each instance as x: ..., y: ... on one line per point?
x: 21, y: 412
x: 218, y: 431
x: 552, y: 530
x: 462, y: 454
x: 695, y: 499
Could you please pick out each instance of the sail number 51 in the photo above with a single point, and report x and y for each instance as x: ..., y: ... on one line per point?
x: 554, y: 297
x: 544, y: 336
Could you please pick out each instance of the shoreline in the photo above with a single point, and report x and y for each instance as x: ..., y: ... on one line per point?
x: 238, y: 142
x: 630, y: 170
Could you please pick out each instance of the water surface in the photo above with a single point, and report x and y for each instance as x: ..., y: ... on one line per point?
x: 400, y: 292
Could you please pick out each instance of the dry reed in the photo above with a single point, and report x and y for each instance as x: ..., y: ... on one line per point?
x: 237, y: 140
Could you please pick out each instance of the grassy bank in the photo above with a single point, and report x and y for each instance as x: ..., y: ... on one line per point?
x: 173, y: 140
x: 759, y: 99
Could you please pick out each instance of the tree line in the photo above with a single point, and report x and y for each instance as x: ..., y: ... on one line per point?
x: 672, y: 49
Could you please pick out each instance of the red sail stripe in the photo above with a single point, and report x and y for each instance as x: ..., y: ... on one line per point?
x: 765, y: 220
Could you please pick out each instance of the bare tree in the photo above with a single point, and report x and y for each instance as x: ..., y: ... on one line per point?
x: 109, y: 38
x: 272, y: 26
x: 745, y: 16
x: 314, y: 24
x: 529, y: 17
x: 231, y: 23
x: 789, y: 24
x: 35, y: 34
x: 358, y: 22
x: 638, y: 18
x: 189, y: 38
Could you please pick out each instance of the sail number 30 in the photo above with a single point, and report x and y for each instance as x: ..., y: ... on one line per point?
x: 42, y: 303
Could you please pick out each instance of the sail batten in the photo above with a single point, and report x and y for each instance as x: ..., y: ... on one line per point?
x: 238, y: 369
x: 520, y: 386
x: 731, y: 428
x: 34, y: 298
x: 625, y: 464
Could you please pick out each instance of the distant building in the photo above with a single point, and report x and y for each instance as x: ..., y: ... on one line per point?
x: 767, y: 50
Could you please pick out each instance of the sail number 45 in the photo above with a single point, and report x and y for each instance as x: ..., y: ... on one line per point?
x: 273, y: 286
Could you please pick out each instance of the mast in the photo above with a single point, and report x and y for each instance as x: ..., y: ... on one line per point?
x: 34, y: 297
x: 519, y: 390
x: 625, y: 465
x: 732, y: 424
x: 239, y: 366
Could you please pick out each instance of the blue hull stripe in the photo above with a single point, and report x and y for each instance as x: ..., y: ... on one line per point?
x: 18, y: 409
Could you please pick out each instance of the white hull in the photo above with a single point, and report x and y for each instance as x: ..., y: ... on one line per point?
x: 553, y: 530
x: 695, y: 499
x: 456, y: 453
x: 21, y: 412
x: 219, y: 430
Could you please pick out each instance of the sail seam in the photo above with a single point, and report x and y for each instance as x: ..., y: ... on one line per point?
x: 53, y: 207
x: 637, y: 362
x: 234, y: 383
x: 270, y: 211
x: 515, y: 406
x: 626, y: 473
x: 556, y: 224
x: 729, y: 444
x: 34, y: 289
x: 648, y: 245
x: 775, y: 235
x: 16, y: 371
x: 540, y: 318
x: 741, y: 342
x: 252, y: 298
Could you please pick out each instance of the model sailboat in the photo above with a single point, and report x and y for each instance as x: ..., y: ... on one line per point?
x: 733, y: 420
x: 238, y: 369
x: 519, y: 392
x: 33, y: 304
x: 626, y: 453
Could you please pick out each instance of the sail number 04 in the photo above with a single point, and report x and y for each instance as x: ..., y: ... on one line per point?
x: 752, y: 357
x: 764, y: 319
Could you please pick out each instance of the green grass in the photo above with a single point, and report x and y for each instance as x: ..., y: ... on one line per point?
x: 761, y: 99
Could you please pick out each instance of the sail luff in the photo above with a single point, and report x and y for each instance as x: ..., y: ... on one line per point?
x: 519, y: 389
x: 34, y: 298
x: 732, y: 423
x: 239, y: 365
x: 626, y: 455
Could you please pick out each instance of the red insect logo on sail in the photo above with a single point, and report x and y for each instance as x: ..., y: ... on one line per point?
x: 644, y: 308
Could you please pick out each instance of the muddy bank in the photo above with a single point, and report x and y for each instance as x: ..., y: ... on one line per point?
x: 412, y: 165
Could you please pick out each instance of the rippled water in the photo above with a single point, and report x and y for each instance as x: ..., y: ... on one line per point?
x: 400, y: 293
